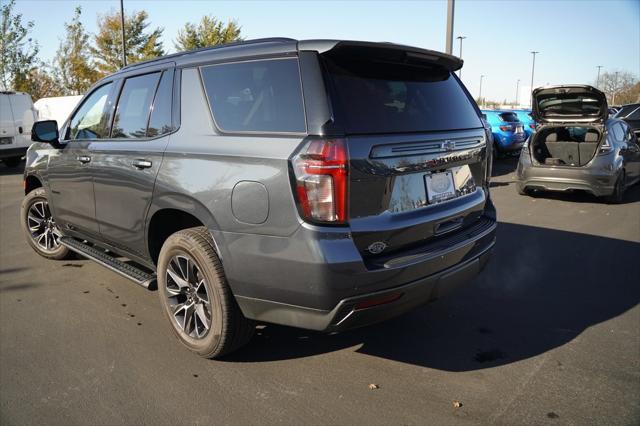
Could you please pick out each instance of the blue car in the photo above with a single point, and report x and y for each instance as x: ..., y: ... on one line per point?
x: 508, y: 131
x: 524, y: 115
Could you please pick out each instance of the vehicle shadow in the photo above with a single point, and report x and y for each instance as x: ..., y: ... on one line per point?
x: 504, y: 166
x: 7, y: 171
x: 541, y: 289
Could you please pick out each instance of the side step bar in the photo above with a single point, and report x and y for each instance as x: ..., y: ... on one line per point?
x: 128, y: 271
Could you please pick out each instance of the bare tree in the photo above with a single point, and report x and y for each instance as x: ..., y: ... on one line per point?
x: 617, y: 85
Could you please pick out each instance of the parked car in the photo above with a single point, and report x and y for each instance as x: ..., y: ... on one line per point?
x: 55, y: 108
x: 524, y: 115
x: 318, y: 184
x: 577, y: 146
x: 508, y: 131
x: 16, y: 118
x: 631, y: 115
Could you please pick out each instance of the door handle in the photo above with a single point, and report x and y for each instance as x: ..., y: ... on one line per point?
x: 84, y: 159
x: 141, y: 164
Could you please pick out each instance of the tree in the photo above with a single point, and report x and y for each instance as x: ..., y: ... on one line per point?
x: 140, y: 45
x: 18, y: 52
x: 40, y: 83
x: 616, y: 85
x: 75, y: 71
x: 209, y: 32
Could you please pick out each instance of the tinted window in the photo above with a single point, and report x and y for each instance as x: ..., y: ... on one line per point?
x: 386, y: 97
x: 568, y: 105
x: 256, y: 96
x: 509, y: 117
x: 160, y: 121
x: 90, y: 121
x: 635, y: 115
x: 134, y: 106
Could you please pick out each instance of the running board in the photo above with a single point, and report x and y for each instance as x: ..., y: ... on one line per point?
x: 128, y: 271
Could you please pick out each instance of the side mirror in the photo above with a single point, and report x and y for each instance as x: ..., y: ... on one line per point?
x: 45, y: 131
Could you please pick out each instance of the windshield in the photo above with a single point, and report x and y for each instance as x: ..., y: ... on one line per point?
x: 388, y: 97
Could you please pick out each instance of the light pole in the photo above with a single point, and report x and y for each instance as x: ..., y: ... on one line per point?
x: 460, y: 56
x: 480, y: 94
x: 124, y: 46
x: 450, y: 8
x: 533, y: 67
x: 598, y: 78
x: 517, y: 88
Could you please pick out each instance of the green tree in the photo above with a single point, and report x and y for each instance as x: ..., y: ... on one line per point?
x: 75, y: 71
x: 140, y: 44
x: 18, y: 52
x: 41, y: 83
x: 209, y: 32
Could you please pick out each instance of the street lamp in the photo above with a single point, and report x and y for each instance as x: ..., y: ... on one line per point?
x: 124, y: 45
x: 598, y: 78
x: 480, y: 94
x: 460, y: 38
x: 517, y: 88
x: 533, y: 67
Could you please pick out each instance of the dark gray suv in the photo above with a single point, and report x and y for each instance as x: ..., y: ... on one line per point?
x: 319, y: 184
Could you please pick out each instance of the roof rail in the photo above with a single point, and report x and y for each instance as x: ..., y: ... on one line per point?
x: 204, y: 49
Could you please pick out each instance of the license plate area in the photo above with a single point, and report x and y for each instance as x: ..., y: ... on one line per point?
x: 440, y: 186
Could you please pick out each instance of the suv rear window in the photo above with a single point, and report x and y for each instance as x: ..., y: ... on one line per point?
x: 256, y: 96
x: 509, y: 117
x: 388, y: 97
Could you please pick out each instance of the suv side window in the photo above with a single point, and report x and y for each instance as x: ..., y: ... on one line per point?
x: 256, y: 96
x: 90, y: 121
x: 160, y: 121
x: 134, y: 106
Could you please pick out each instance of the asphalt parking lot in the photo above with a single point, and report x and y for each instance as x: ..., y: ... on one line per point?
x: 548, y: 334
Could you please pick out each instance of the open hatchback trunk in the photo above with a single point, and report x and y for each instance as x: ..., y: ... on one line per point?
x: 572, y: 125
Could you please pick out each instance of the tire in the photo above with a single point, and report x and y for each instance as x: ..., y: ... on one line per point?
x: 12, y: 162
x: 36, y: 221
x: 182, y: 292
x: 617, y: 196
x: 522, y: 190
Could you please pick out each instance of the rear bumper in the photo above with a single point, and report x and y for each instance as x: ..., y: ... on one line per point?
x: 346, y: 314
x: 320, y: 289
x: 509, y: 142
x: 596, y: 178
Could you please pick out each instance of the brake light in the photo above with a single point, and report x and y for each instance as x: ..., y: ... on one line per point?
x: 606, y: 147
x: 321, y: 174
x: 506, y: 128
x: 532, y: 126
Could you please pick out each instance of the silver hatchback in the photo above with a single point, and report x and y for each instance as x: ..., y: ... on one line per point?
x: 576, y: 146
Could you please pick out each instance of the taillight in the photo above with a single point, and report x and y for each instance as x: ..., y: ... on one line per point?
x: 506, y: 128
x: 606, y: 147
x: 321, y: 178
x: 532, y: 126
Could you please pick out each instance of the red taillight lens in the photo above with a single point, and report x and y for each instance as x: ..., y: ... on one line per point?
x: 321, y: 172
x: 532, y: 126
x: 506, y: 128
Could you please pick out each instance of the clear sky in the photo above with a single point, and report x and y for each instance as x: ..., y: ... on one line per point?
x: 573, y: 36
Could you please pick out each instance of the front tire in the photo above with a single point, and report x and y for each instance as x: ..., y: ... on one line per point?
x: 196, y: 298
x: 40, y: 228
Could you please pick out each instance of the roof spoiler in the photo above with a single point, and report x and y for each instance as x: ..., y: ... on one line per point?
x: 408, y: 53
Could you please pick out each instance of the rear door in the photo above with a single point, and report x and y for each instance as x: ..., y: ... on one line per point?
x: 416, y: 145
x: 574, y: 104
x: 69, y: 178
x: 124, y: 166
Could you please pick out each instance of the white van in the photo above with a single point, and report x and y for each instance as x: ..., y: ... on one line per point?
x: 16, y: 118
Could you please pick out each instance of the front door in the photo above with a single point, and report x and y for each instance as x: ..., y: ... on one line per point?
x: 124, y: 167
x: 69, y: 176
